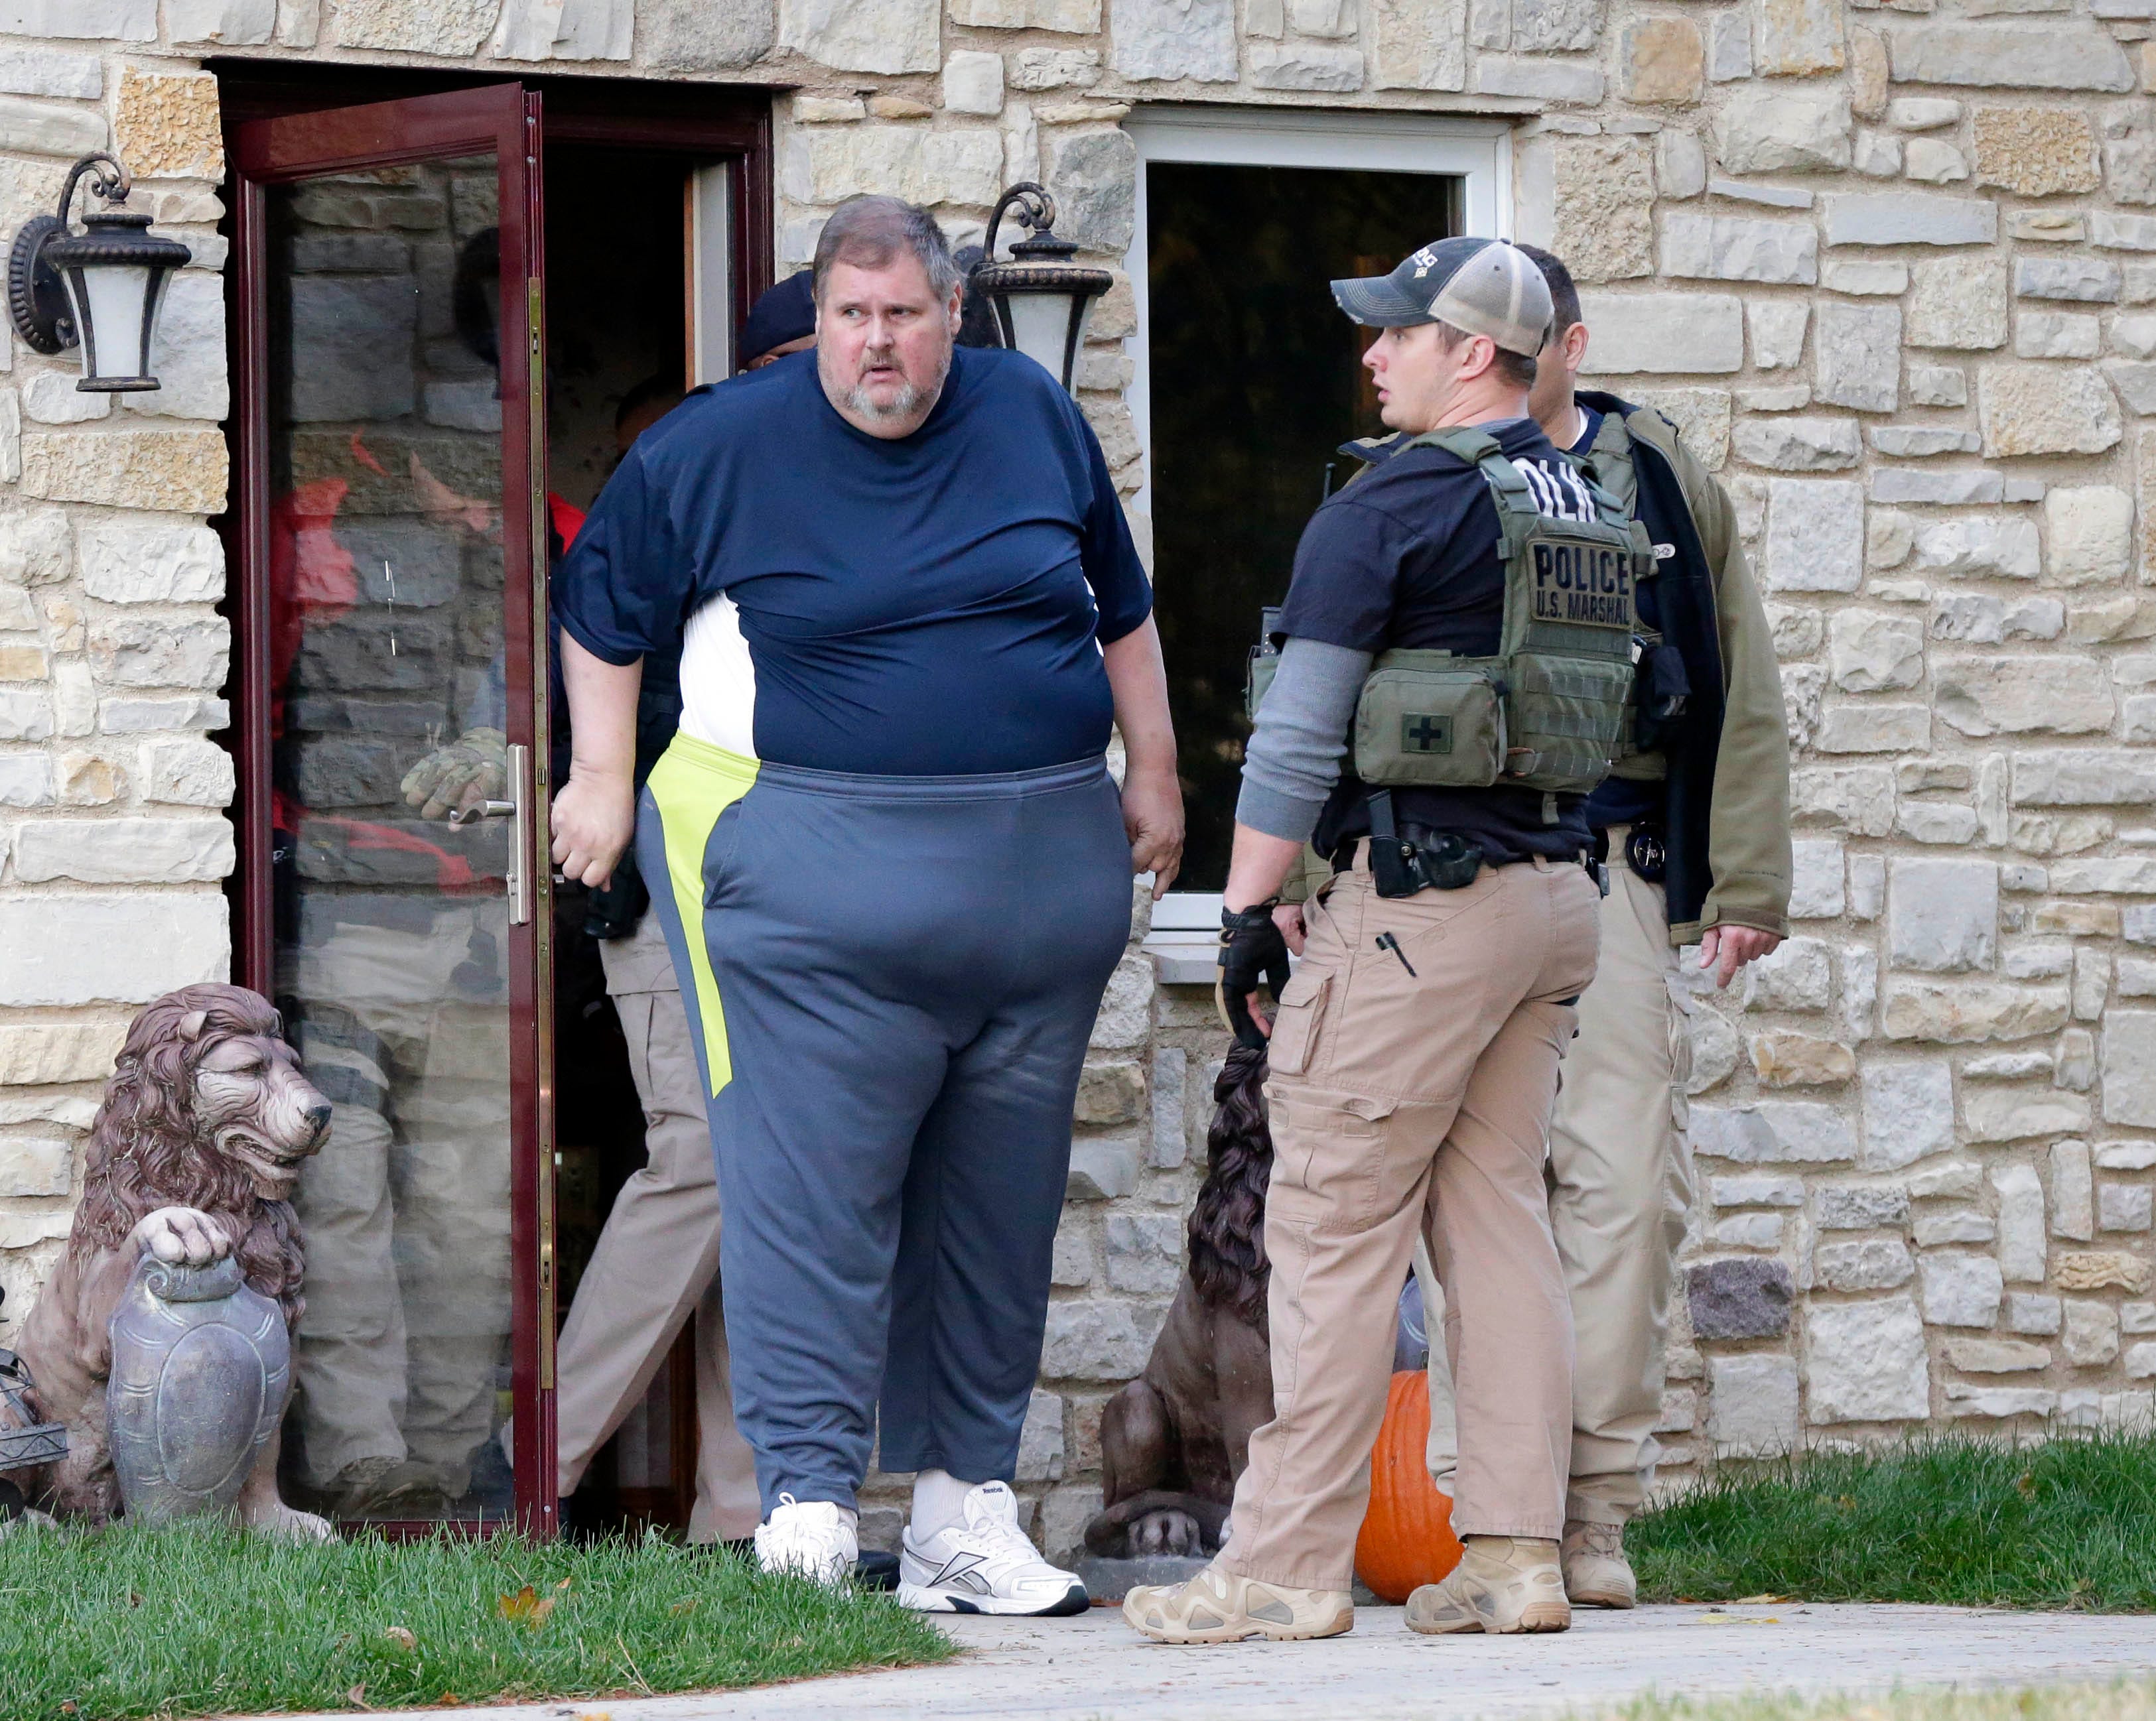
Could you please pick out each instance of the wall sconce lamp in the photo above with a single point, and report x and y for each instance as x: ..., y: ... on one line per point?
x: 99, y: 289
x: 1040, y: 298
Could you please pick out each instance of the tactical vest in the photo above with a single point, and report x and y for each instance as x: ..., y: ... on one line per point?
x: 1552, y: 709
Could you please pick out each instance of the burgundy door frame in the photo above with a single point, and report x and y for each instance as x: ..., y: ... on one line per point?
x: 284, y: 121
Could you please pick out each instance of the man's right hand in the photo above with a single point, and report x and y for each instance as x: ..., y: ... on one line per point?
x: 1252, y: 952
x: 594, y: 819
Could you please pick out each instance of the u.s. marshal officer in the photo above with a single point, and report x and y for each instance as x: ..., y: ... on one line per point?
x: 1453, y: 681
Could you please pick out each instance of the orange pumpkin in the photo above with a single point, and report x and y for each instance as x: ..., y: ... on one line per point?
x: 1407, y: 1538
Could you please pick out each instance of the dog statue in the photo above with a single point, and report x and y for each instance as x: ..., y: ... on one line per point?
x: 1174, y: 1441
x: 187, y: 1199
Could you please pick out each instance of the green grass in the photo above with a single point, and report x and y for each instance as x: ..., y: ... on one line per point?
x: 2068, y: 1523
x: 198, y: 1620
x: 2130, y: 1701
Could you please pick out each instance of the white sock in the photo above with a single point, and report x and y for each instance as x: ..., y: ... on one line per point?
x: 939, y: 1502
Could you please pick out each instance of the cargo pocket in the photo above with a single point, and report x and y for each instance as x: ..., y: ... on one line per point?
x: 1329, y: 1159
x: 1295, y: 1023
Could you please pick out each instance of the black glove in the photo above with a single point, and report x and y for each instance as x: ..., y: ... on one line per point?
x: 1251, y: 949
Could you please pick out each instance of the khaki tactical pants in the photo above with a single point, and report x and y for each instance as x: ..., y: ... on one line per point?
x: 1393, y: 1096
x: 1620, y: 1184
x: 657, y: 1263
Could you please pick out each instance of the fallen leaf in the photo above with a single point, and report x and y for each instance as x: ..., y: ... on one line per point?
x: 2026, y: 1485
x: 1739, y: 1619
x: 1765, y: 1598
x: 357, y: 1697
x: 527, y: 1606
x: 565, y: 1583
x: 402, y: 1637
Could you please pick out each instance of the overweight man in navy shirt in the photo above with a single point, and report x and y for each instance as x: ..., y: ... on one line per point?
x: 897, y: 872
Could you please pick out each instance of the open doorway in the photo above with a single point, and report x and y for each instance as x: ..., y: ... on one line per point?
x: 1256, y: 379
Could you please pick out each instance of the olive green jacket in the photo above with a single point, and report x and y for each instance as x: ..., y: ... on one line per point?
x: 1748, y: 830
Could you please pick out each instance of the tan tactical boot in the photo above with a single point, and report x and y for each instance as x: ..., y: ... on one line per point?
x: 1217, y: 1607
x: 1596, y: 1572
x: 1505, y: 1584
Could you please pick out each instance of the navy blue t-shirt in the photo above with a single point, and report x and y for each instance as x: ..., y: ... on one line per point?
x: 933, y: 605
x: 1405, y: 558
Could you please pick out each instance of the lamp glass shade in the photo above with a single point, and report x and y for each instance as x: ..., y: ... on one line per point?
x: 115, y: 314
x: 1040, y: 325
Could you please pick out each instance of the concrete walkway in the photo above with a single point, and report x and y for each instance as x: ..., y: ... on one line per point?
x: 1096, y: 1669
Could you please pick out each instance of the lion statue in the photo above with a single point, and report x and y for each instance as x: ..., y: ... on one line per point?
x: 193, y: 1159
x: 1174, y: 1441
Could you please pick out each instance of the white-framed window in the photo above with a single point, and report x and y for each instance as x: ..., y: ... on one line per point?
x: 1473, y: 156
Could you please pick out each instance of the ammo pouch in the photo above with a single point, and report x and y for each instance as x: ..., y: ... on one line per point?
x: 1553, y: 709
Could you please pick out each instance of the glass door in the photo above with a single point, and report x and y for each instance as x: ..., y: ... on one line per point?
x: 393, y: 768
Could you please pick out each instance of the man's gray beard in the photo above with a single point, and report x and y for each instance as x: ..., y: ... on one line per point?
x: 908, y: 400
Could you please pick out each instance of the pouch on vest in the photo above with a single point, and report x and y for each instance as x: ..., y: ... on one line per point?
x: 1553, y: 709
x: 1265, y: 664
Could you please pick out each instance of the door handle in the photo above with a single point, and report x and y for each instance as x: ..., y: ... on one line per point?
x: 517, y: 809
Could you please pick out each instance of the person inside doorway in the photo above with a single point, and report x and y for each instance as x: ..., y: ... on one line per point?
x: 656, y: 1266
x: 895, y: 922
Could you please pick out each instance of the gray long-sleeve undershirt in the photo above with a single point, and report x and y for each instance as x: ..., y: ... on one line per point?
x: 1293, y: 756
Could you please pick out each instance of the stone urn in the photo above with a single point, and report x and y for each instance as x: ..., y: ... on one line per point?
x: 201, y: 1366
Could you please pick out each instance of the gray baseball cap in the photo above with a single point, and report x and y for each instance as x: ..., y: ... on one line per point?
x: 1484, y: 286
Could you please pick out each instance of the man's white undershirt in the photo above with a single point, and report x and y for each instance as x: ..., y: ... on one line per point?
x: 718, y: 681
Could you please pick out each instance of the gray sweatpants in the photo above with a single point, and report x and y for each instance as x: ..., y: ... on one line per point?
x: 908, y: 969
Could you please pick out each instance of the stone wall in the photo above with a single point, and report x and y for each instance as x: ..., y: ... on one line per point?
x: 1893, y: 270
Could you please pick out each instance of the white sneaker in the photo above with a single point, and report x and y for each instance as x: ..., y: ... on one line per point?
x: 988, y: 1566
x: 810, y: 1538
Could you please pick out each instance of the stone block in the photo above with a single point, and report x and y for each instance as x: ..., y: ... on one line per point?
x: 1729, y: 46
x: 121, y: 20
x: 1996, y: 1356
x: 26, y: 780
x: 1170, y: 1128
x: 1795, y: 38
x: 1794, y: 977
x: 1869, y: 1264
x: 1144, y: 1252
x: 1857, y: 799
x: 2124, y: 1206
x: 2055, y: 335
x: 2008, y: 1114
x: 1864, y: 279
x: 1857, y: 355
x: 1774, y: 1132
x: 2102, y: 1269
x: 1867, y: 74
x: 1073, y: 1263
x: 1158, y: 39
x: 2090, y: 1337
x: 2035, y: 153
x: 1752, y: 1410
x: 123, y: 851
x: 1815, y: 540
x: 1870, y: 652
x: 187, y: 772
x: 1959, y: 1290
x: 2054, y: 695
x: 1994, y: 546
x: 865, y: 35
x: 1920, y: 442
x: 1099, y: 1339
x: 1065, y: 1512
x: 1305, y: 65
x: 1102, y: 1170
x: 1793, y: 1060
x: 1933, y: 160
x: 37, y: 547
x: 2026, y: 1312
x: 1556, y: 26
x: 1874, y: 729
x: 1417, y: 44
x: 1756, y: 1189
x: 1909, y: 218
x: 1766, y: 129
x: 1867, y: 1362
x: 2123, y: 878
x: 2083, y: 280
x: 1816, y: 892
x: 2073, y: 1191
x: 129, y: 653
x: 1074, y: 17
x: 1573, y: 83
x: 160, y: 563
x: 1094, y: 176
x: 1778, y: 332
x: 1964, y: 1399
x: 35, y: 1166
x: 1604, y: 189
x: 1937, y: 385
x: 1041, y: 1439
x: 2089, y: 530
x: 2031, y: 409
x: 1032, y: 68
x: 1959, y: 303
x: 1680, y: 164
x: 1935, y: 821
x: 2023, y: 1250
x: 1126, y: 1018
x: 170, y: 471
x: 451, y: 27
x: 51, y: 398
x: 973, y: 83
x: 564, y: 29
x: 1661, y: 60
x: 1860, y: 1206
x: 102, y: 947
x: 1783, y: 444
x: 711, y: 35
x: 1942, y: 915
x: 1867, y: 887
x: 2055, y: 56
x: 1664, y: 333
x: 1908, y: 1112
x: 2084, y: 777
x: 39, y: 1054
x: 1714, y: 1048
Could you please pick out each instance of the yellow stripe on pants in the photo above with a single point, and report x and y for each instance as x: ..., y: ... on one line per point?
x: 692, y: 785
